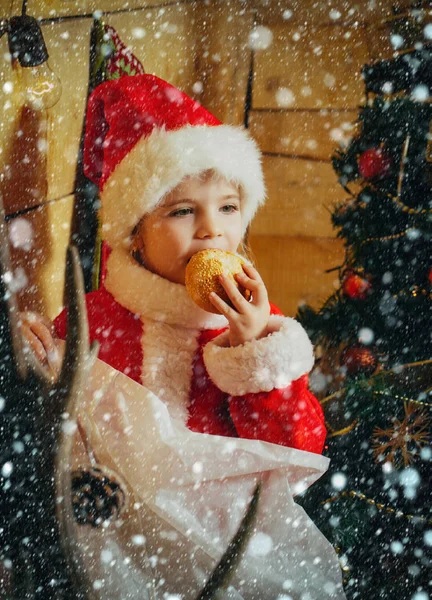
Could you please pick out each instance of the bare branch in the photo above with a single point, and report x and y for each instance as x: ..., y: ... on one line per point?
x: 220, y: 577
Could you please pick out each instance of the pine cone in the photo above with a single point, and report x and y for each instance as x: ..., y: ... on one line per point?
x: 97, y: 496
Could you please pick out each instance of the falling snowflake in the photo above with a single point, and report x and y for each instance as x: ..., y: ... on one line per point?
x: 399, y: 443
x: 260, y: 38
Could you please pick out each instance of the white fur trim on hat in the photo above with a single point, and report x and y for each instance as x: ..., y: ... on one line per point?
x: 159, y: 162
x: 269, y: 363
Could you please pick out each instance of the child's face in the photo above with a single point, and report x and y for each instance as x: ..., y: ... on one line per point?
x: 197, y: 214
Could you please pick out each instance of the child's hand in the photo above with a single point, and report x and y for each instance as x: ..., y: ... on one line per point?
x: 248, y: 320
x: 39, y: 333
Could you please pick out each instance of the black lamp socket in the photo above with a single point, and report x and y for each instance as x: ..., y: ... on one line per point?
x: 26, y: 41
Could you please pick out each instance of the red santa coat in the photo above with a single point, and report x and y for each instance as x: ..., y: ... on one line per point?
x: 149, y: 329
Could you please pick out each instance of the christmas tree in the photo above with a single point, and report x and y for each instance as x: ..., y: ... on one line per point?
x: 375, y: 332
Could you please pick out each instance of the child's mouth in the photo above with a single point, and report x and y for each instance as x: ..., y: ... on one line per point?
x: 202, y: 250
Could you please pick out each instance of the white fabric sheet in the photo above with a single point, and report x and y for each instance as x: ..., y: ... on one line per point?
x: 187, y: 495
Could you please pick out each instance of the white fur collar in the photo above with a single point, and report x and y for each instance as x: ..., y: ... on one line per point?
x: 149, y: 295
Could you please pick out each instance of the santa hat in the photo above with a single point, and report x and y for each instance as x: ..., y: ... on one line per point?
x: 143, y: 136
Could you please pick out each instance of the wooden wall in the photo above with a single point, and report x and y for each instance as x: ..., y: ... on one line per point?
x: 306, y: 90
x: 292, y: 72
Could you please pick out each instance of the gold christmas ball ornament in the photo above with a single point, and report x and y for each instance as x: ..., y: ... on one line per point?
x: 359, y: 360
x: 202, y: 274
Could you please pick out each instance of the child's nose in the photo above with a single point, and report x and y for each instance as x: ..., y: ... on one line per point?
x: 208, y: 228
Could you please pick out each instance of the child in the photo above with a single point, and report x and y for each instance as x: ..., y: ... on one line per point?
x: 157, y: 138
x: 174, y: 181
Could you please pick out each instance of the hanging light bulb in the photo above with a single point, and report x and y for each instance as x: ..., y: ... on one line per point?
x: 42, y: 87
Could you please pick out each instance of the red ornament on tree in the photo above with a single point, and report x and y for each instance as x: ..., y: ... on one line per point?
x: 358, y: 361
x: 355, y: 287
x: 374, y: 163
x: 430, y: 276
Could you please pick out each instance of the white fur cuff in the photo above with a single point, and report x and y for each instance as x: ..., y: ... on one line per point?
x: 272, y: 362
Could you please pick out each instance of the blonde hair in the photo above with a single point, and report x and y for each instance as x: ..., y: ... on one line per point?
x: 245, y: 250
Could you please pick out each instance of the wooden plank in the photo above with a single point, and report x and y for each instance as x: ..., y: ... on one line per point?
x: 223, y: 58
x: 319, y: 13
x: 293, y: 269
x: 68, y: 46
x: 302, y: 133
x: 378, y: 39
x: 272, y: 11
x: 12, y: 142
x: 163, y: 40
x: 10, y: 101
x: 38, y: 249
x: 49, y: 9
x: 24, y: 175
x: 300, y: 194
x: 310, y: 67
x: 268, y: 11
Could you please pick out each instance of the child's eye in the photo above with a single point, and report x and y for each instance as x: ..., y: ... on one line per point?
x: 231, y: 208
x: 181, y: 212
